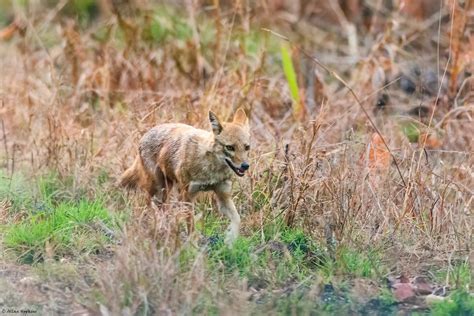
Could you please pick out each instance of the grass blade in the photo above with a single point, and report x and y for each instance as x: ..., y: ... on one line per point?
x: 290, y: 76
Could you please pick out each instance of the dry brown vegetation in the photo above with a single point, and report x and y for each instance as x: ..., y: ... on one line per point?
x: 374, y: 167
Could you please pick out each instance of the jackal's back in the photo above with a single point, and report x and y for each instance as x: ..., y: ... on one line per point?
x: 168, y: 146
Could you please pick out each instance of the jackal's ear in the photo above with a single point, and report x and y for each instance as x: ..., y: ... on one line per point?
x: 216, y: 125
x: 240, y: 117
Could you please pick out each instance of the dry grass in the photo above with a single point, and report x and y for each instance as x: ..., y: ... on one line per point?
x: 74, y: 99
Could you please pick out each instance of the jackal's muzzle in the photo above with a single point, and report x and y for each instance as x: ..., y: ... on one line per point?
x: 240, y: 171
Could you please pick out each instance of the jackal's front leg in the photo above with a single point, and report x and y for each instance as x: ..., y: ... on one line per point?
x: 227, y: 207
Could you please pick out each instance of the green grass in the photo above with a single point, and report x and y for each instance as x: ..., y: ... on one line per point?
x: 69, y: 229
x: 211, y: 224
x: 411, y: 131
x: 53, y: 189
x: 238, y: 258
x: 287, y: 255
x: 284, y: 254
x: 460, y: 303
x: 291, y: 78
x: 460, y: 276
x: 260, y: 199
x: 352, y: 263
x: 165, y: 25
x: 358, y: 264
x: 386, y: 297
x: 84, y: 9
x: 58, y: 220
x: 13, y: 189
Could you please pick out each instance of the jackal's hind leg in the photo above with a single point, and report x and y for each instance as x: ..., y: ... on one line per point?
x: 163, y: 186
x: 159, y: 189
x: 188, y: 196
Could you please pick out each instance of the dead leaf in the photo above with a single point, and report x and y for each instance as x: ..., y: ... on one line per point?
x: 403, y: 279
x: 421, y: 9
x: 8, y: 32
x: 422, y: 287
x: 459, y: 43
x: 429, y: 140
x: 404, y: 292
x: 378, y: 155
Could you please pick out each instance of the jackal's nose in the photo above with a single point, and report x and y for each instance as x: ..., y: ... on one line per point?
x: 244, y: 166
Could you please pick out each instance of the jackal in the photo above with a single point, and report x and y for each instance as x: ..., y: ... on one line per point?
x: 193, y: 160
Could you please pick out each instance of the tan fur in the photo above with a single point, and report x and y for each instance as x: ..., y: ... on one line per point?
x: 193, y: 160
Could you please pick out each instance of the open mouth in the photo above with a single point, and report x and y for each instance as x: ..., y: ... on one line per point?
x: 238, y: 171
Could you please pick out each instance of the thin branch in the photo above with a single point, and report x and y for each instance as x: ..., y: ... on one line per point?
x: 352, y: 92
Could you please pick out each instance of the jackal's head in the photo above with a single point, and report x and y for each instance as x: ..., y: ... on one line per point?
x: 232, y: 141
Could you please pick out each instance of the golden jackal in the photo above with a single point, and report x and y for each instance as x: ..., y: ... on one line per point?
x: 194, y: 160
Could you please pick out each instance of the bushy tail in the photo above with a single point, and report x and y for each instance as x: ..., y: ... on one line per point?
x: 131, y: 177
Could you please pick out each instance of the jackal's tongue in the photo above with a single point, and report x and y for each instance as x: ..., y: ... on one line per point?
x: 240, y: 171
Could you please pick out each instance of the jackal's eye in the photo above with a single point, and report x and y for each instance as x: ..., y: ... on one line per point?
x: 229, y: 147
x: 247, y: 147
